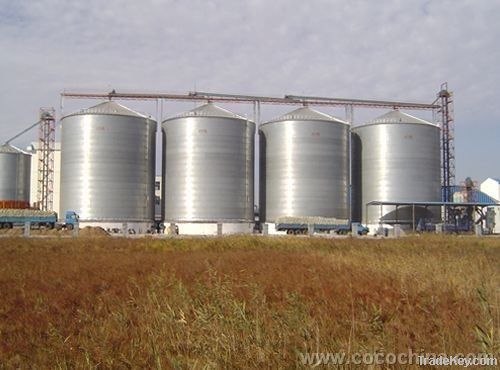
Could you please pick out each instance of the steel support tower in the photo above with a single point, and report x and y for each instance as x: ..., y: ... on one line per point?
x: 446, y: 121
x: 46, y: 147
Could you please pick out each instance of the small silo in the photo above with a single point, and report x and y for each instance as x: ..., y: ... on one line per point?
x: 108, y: 166
x: 396, y: 158
x: 15, y: 170
x: 208, y: 169
x: 304, y: 166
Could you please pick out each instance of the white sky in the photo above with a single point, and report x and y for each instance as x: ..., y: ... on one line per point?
x: 386, y: 49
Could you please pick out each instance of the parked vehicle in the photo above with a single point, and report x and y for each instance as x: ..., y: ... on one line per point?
x: 10, y: 218
x: 306, y: 225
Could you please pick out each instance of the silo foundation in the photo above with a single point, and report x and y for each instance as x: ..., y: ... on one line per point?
x: 120, y: 226
x: 212, y: 228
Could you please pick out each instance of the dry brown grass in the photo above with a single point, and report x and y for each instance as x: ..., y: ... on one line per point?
x: 242, y: 302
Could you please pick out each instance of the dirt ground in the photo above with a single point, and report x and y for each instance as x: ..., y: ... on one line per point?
x: 85, y: 232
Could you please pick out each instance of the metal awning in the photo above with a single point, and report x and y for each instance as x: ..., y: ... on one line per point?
x: 429, y: 204
x: 413, y: 205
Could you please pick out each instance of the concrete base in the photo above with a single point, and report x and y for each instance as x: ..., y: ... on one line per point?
x: 478, y: 228
x: 379, y: 230
x: 397, y: 231
x: 271, y: 229
x: 195, y: 228
x: 120, y: 227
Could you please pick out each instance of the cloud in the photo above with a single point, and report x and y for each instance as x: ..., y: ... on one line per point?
x: 388, y: 49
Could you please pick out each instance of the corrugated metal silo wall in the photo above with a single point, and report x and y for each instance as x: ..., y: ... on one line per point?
x: 400, y: 162
x: 108, y: 167
x: 305, y: 169
x: 15, y: 175
x: 208, y: 169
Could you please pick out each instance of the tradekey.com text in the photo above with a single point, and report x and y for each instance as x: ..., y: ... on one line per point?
x: 405, y: 358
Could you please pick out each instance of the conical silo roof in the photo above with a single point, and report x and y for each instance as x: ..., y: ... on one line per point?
x: 108, y: 108
x: 397, y: 116
x: 7, y: 148
x: 209, y: 110
x: 306, y: 114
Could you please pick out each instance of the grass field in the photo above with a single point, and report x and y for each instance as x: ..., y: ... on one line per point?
x: 242, y: 302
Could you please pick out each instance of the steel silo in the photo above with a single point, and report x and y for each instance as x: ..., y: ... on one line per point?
x: 398, y: 157
x: 15, y: 170
x: 108, y: 165
x: 304, y: 166
x: 208, y: 160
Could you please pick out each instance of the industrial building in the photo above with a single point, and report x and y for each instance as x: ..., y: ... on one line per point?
x: 396, y: 157
x: 394, y: 170
x: 208, y: 159
x: 108, y: 167
x: 491, y: 187
x: 208, y: 169
x: 304, y: 166
x: 15, y: 167
x: 36, y: 169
